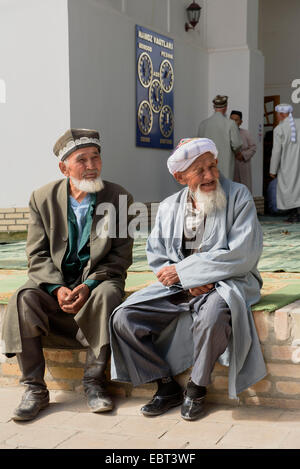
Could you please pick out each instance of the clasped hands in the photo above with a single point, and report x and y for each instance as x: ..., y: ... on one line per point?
x: 168, y: 276
x: 70, y: 301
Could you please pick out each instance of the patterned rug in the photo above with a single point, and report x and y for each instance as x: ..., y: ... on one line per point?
x: 281, y: 249
x: 279, y: 264
x: 279, y: 289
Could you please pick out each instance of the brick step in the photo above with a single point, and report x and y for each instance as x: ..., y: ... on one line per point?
x: 279, y: 333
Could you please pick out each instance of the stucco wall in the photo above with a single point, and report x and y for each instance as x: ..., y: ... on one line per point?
x: 102, y: 84
x: 35, y: 70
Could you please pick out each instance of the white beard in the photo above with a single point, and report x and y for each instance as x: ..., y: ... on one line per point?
x: 208, y: 201
x: 87, y: 185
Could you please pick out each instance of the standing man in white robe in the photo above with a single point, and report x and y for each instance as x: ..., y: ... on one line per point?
x: 204, y: 250
x: 242, y: 168
x: 285, y: 161
x: 224, y: 133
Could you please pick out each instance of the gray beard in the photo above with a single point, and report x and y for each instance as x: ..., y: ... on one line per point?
x: 87, y: 185
x: 207, y: 202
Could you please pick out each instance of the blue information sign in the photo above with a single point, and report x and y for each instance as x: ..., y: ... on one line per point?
x: 154, y: 89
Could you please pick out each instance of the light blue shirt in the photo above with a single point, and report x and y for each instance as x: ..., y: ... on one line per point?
x: 80, y: 210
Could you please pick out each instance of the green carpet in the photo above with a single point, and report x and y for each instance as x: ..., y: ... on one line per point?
x: 281, y: 251
x: 279, y: 264
x: 279, y: 289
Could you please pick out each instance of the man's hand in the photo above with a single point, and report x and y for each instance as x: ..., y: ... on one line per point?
x: 62, y: 295
x: 239, y: 156
x: 168, y: 275
x: 201, y: 290
x: 272, y: 176
x: 70, y: 301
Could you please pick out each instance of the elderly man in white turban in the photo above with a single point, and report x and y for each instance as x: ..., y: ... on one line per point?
x: 204, y: 250
x: 285, y: 161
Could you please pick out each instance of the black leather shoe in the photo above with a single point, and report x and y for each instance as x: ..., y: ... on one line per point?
x: 161, y: 404
x: 192, y: 409
x: 32, y: 402
x: 98, y: 399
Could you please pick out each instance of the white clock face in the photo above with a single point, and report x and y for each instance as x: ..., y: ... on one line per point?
x: 145, y: 69
x: 166, y: 121
x: 145, y: 118
x: 156, y: 96
x: 166, y: 76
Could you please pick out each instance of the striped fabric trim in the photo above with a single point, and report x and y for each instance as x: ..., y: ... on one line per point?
x: 287, y: 108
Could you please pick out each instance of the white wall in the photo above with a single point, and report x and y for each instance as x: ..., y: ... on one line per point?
x: 34, y: 67
x: 102, y: 84
x: 236, y: 67
x: 72, y: 63
x: 279, y: 41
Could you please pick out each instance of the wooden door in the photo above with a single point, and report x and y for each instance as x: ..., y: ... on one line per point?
x: 270, y: 102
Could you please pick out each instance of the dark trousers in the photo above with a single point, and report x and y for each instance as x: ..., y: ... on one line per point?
x: 135, y: 326
x: 40, y: 315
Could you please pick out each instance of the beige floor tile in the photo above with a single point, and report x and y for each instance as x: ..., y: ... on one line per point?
x: 152, y: 427
x: 290, y: 418
x: 259, y: 436
x: 198, y: 433
x: 52, y: 417
x: 7, y: 430
x: 130, y: 406
x: 93, y: 440
x: 291, y: 440
x: 4, y: 446
x: 218, y: 414
x: 255, y: 414
x: 69, y: 400
x: 38, y: 437
x: 152, y: 443
x: 9, y: 399
x: 101, y: 422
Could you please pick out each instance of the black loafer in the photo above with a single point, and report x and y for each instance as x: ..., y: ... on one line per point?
x: 192, y: 409
x: 161, y: 404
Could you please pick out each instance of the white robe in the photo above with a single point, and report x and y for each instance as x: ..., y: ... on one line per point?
x: 230, y: 250
x: 285, y: 162
x: 226, y: 136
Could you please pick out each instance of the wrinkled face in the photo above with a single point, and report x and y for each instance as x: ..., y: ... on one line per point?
x: 237, y: 119
x: 84, y: 163
x: 203, y: 172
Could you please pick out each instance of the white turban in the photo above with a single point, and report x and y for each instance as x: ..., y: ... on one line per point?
x: 288, y: 109
x: 187, y: 151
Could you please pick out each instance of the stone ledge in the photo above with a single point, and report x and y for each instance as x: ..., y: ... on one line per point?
x: 279, y: 333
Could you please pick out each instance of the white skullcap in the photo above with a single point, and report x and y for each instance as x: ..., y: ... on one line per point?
x: 288, y: 109
x: 187, y: 151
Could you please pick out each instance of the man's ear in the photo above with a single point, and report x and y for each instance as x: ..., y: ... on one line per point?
x: 180, y: 177
x: 63, y: 168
